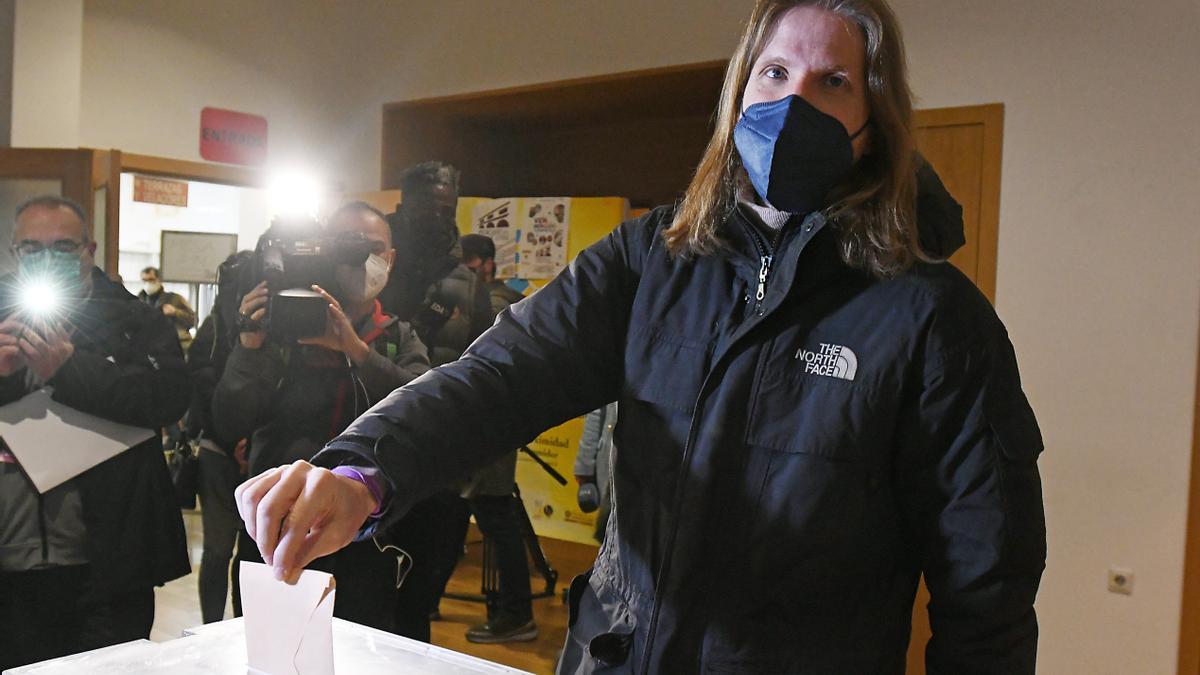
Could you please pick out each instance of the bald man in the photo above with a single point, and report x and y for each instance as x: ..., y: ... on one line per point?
x: 79, y: 563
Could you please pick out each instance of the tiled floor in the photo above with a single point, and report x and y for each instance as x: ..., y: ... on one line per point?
x: 177, y: 605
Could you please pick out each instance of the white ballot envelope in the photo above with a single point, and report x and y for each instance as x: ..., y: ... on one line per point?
x: 54, y: 442
x: 289, y: 628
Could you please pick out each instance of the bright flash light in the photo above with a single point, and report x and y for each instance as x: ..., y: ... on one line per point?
x: 41, y: 298
x: 294, y: 194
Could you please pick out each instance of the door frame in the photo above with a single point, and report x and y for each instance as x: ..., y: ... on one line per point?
x: 1189, y: 620
x: 166, y: 167
x: 72, y: 167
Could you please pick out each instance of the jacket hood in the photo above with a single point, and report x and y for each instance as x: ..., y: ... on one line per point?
x: 939, y: 216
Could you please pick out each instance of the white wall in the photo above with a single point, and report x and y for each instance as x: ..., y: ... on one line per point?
x: 151, y: 67
x: 46, y: 73
x: 428, y: 49
x: 320, y: 73
x: 1099, y: 270
x: 1099, y: 284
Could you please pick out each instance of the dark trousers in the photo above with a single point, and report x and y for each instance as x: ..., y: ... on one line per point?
x: 45, y: 614
x: 503, y: 531
x: 121, y: 618
x: 428, y: 534
x: 450, y: 518
x: 219, y: 476
x: 366, y: 581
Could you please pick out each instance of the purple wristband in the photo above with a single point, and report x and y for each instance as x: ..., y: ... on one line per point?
x: 371, y: 482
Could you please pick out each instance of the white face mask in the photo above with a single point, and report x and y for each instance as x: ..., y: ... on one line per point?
x: 363, y: 282
x: 151, y: 287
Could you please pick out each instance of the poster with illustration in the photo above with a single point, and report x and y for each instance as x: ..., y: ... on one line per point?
x: 496, y: 218
x: 543, y: 243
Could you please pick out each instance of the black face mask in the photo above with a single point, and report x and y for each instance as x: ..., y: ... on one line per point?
x: 793, y: 153
x: 432, y: 235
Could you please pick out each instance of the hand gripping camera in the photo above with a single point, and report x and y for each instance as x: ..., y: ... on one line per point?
x: 291, y: 256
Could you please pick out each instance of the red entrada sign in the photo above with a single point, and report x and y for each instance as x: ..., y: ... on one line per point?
x: 233, y: 137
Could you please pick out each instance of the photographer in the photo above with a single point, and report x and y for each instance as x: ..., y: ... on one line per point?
x: 292, y: 398
x: 79, y: 563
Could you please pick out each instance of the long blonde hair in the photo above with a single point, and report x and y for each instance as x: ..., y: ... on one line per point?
x: 874, y: 208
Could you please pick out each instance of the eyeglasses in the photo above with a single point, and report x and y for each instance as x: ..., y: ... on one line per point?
x: 61, y: 246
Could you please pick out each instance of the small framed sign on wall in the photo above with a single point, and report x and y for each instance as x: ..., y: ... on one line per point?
x: 193, y: 257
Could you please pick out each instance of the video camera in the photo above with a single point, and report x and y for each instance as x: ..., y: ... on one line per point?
x: 291, y: 256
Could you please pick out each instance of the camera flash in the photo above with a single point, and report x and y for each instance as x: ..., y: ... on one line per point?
x: 40, y: 298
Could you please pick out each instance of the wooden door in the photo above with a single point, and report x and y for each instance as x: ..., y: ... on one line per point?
x: 963, y: 145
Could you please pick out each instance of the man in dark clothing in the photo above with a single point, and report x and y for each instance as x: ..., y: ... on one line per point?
x: 489, y: 494
x: 449, y: 308
x: 814, y: 411
x: 289, y: 399
x: 429, y: 286
x: 479, y: 255
x: 172, y: 305
x: 222, y: 461
x: 79, y: 563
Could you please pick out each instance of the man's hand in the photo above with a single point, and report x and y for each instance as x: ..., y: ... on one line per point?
x: 339, y: 332
x: 11, y: 357
x: 169, y: 309
x: 254, y: 307
x: 300, y: 512
x: 45, y: 355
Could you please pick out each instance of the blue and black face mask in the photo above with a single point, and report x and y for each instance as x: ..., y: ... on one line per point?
x: 793, y: 153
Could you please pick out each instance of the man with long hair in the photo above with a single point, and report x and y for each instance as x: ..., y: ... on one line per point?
x: 814, y: 410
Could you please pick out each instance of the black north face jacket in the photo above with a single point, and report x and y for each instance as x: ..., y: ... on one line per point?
x: 790, y: 463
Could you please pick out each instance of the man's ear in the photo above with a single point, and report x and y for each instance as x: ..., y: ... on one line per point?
x: 390, y: 256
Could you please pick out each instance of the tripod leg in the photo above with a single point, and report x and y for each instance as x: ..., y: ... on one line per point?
x: 535, y: 547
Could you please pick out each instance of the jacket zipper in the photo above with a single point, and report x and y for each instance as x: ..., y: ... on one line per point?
x: 766, y: 256
x: 42, y: 528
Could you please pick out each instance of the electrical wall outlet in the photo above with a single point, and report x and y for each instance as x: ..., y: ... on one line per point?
x: 1120, y: 580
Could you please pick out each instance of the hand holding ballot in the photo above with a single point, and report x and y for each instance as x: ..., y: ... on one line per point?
x: 300, y: 512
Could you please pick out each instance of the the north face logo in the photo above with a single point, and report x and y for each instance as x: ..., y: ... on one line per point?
x: 830, y: 360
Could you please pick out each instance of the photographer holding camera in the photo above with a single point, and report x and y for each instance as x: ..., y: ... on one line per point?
x: 291, y: 397
x: 79, y: 563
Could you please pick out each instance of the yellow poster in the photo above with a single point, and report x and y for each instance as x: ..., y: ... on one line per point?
x: 552, y: 507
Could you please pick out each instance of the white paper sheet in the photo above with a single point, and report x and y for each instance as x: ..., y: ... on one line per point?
x: 289, y: 628
x: 54, y: 442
